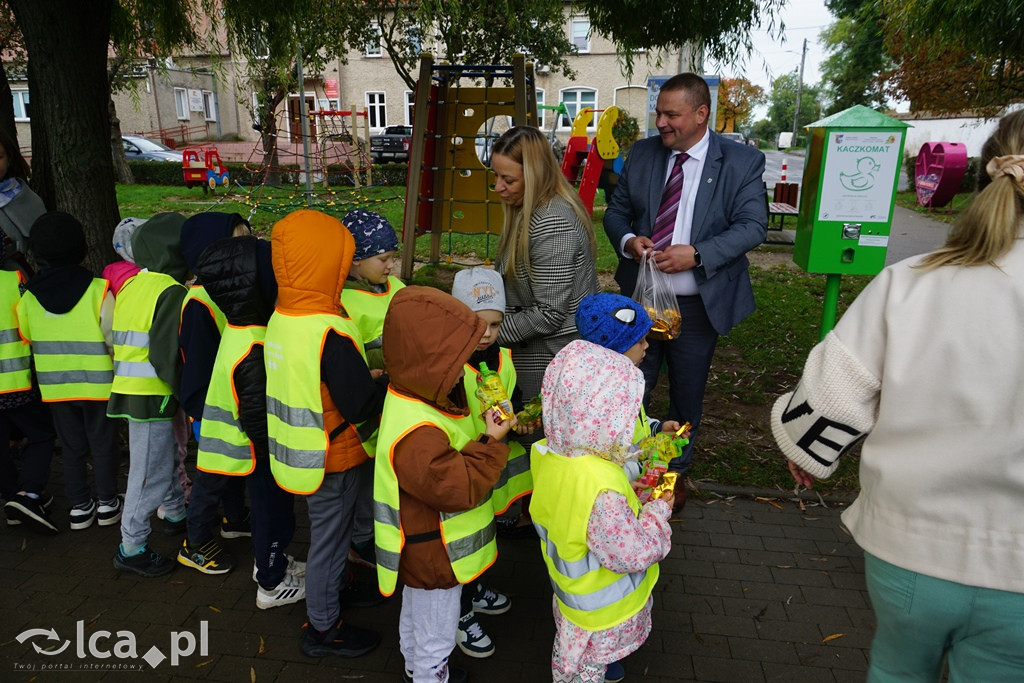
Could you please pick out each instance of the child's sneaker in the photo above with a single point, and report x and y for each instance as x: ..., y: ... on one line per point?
x: 455, y: 675
x: 147, y: 563
x: 364, y: 554
x: 296, y: 568
x: 235, y: 529
x: 209, y: 558
x: 82, y: 516
x: 614, y: 673
x: 291, y: 589
x: 109, y: 512
x: 486, y: 601
x: 175, y: 528
x: 472, y: 639
x: 32, y: 511
x: 343, y: 640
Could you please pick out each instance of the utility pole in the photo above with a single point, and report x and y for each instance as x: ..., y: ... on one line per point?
x: 799, y: 93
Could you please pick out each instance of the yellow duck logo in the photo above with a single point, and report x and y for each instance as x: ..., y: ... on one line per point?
x: 864, y: 178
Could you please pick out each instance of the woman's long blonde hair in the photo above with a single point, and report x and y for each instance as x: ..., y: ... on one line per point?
x: 542, y: 180
x: 986, y: 231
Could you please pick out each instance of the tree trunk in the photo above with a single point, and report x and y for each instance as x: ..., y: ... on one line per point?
x: 268, y: 135
x: 122, y: 171
x: 66, y: 42
x: 7, y: 107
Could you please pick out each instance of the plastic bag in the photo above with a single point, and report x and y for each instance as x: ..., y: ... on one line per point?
x: 654, y: 292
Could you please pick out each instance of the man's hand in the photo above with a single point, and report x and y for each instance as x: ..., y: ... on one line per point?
x: 676, y: 258
x: 637, y: 246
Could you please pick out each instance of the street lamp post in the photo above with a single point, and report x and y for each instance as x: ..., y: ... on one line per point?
x: 799, y: 93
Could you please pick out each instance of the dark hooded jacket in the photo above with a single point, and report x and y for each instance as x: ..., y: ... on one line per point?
x: 239, y: 277
x: 198, y: 335
x: 156, y: 247
x: 428, y: 337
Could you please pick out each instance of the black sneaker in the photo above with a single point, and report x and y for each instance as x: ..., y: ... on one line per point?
x: 175, y: 528
x: 455, y: 675
x: 343, y: 640
x: 109, y: 513
x: 472, y: 639
x: 31, y: 511
x: 359, y: 594
x: 208, y: 558
x: 236, y: 529
x: 147, y: 563
x: 82, y: 517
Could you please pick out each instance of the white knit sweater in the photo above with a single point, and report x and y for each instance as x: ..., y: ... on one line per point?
x: 930, y: 365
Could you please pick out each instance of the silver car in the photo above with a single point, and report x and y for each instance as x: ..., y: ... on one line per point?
x: 138, y: 148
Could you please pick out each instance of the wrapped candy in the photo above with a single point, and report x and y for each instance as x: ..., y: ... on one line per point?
x: 666, y: 486
x: 667, y: 323
x: 531, y: 412
x: 656, y: 452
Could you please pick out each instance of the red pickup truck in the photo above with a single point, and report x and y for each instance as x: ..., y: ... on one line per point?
x: 391, y: 145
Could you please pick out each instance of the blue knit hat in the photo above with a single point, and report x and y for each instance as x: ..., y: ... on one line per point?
x: 372, y: 232
x: 613, y: 321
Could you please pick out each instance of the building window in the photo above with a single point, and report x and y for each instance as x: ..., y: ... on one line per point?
x: 376, y: 109
x: 372, y: 48
x: 181, y: 104
x: 540, y: 112
x: 581, y: 34
x: 21, y: 109
x: 209, y: 106
x: 575, y: 100
x: 410, y: 99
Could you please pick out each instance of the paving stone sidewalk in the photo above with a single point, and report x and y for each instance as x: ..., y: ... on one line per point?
x: 755, y: 589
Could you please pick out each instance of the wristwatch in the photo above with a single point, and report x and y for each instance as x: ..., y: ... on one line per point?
x: 697, y: 260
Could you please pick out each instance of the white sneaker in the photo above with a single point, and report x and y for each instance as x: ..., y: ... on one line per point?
x: 82, y: 518
x: 296, y: 568
x: 472, y: 639
x: 291, y: 589
x: 107, y: 515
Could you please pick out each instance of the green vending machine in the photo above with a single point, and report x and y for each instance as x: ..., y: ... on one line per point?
x: 852, y: 169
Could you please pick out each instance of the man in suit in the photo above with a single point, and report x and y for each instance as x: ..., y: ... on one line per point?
x: 697, y: 202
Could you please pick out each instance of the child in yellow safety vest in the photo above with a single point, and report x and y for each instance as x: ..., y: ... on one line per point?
x: 67, y: 315
x: 368, y: 291
x: 601, y: 548
x: 433, y: 519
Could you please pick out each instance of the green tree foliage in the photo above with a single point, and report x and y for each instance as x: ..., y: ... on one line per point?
x: 855, y: 42
x: 782, y: 104
x: 720, y: 29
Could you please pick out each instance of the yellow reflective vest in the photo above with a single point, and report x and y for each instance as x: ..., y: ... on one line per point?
x: 468, y: 536
x: 367, y: 309
x: 515, y: 480
x: 298, y: 440
x: 72, y: 360
x: 642, y: 430
x: 15, y: 354
x: 134, y: 308
x: 199, y: 294
x: 224, y: 447
x: 564, y: 491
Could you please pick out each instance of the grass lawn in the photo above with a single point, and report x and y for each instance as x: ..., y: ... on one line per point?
x: 760, y: 359
x: 947, y: 214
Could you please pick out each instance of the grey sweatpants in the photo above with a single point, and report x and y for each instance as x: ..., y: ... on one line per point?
x: 426, y: 631
x: 330, y: 535
x: 153, y: 459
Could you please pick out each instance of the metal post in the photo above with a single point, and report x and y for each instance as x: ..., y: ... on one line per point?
x: 799, y: 93
x: 304, y: 118
x: 831, y: 303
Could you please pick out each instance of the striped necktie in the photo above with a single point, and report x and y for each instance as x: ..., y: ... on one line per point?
x: 665, y: 223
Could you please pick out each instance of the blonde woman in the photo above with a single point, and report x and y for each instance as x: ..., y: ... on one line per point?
x: 546, y: 255
x: 926, y: 365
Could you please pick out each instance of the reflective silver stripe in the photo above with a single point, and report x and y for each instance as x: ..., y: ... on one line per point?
x: 460, y: 548
x: 217, y: 414
x: 126, y: 368
x: 385, y: 514
x: 513, y: 468
x: 599, y: 599
x: 14, y: 364
x: 211, y: 444
x: 131, y: 338
x: 79, y: 348
x: 387, y: 559
x: 8, y: 336
x: 294, y: 417
x: 75, y: 377
x: 293, y: 457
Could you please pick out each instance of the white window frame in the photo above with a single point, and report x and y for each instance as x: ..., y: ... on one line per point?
x: 574, y: 106
x: 370, y: 50
x: 583, y: 47
x: 376, y: 110
x: 21, y: 101
x: 410, y: 100
x: 209, y: 106
x: 541, y: 113
x: 181, y: 104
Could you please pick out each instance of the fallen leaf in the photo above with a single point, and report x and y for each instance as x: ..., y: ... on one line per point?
x: 214, y: 609
x: 818, y: 559
x: 262, y: 647
x: 202, y: 664
x: 832, y: 637
x: 784, y: 566
x: 252, y: 674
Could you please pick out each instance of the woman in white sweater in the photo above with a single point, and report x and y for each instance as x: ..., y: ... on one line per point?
x: 927, y: 366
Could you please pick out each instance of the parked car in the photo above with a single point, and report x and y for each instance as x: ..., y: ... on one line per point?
x: 138, y: 148
x: 735, y: 137
x: 392, y: 144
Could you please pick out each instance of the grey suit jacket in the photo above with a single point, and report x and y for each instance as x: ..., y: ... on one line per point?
x: 730, y: 217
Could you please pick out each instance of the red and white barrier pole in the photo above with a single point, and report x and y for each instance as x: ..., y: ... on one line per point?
x: 783, y: 172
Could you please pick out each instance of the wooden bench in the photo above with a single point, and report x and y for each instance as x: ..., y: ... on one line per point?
x: 780, y: 209
x: 785, y: 200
